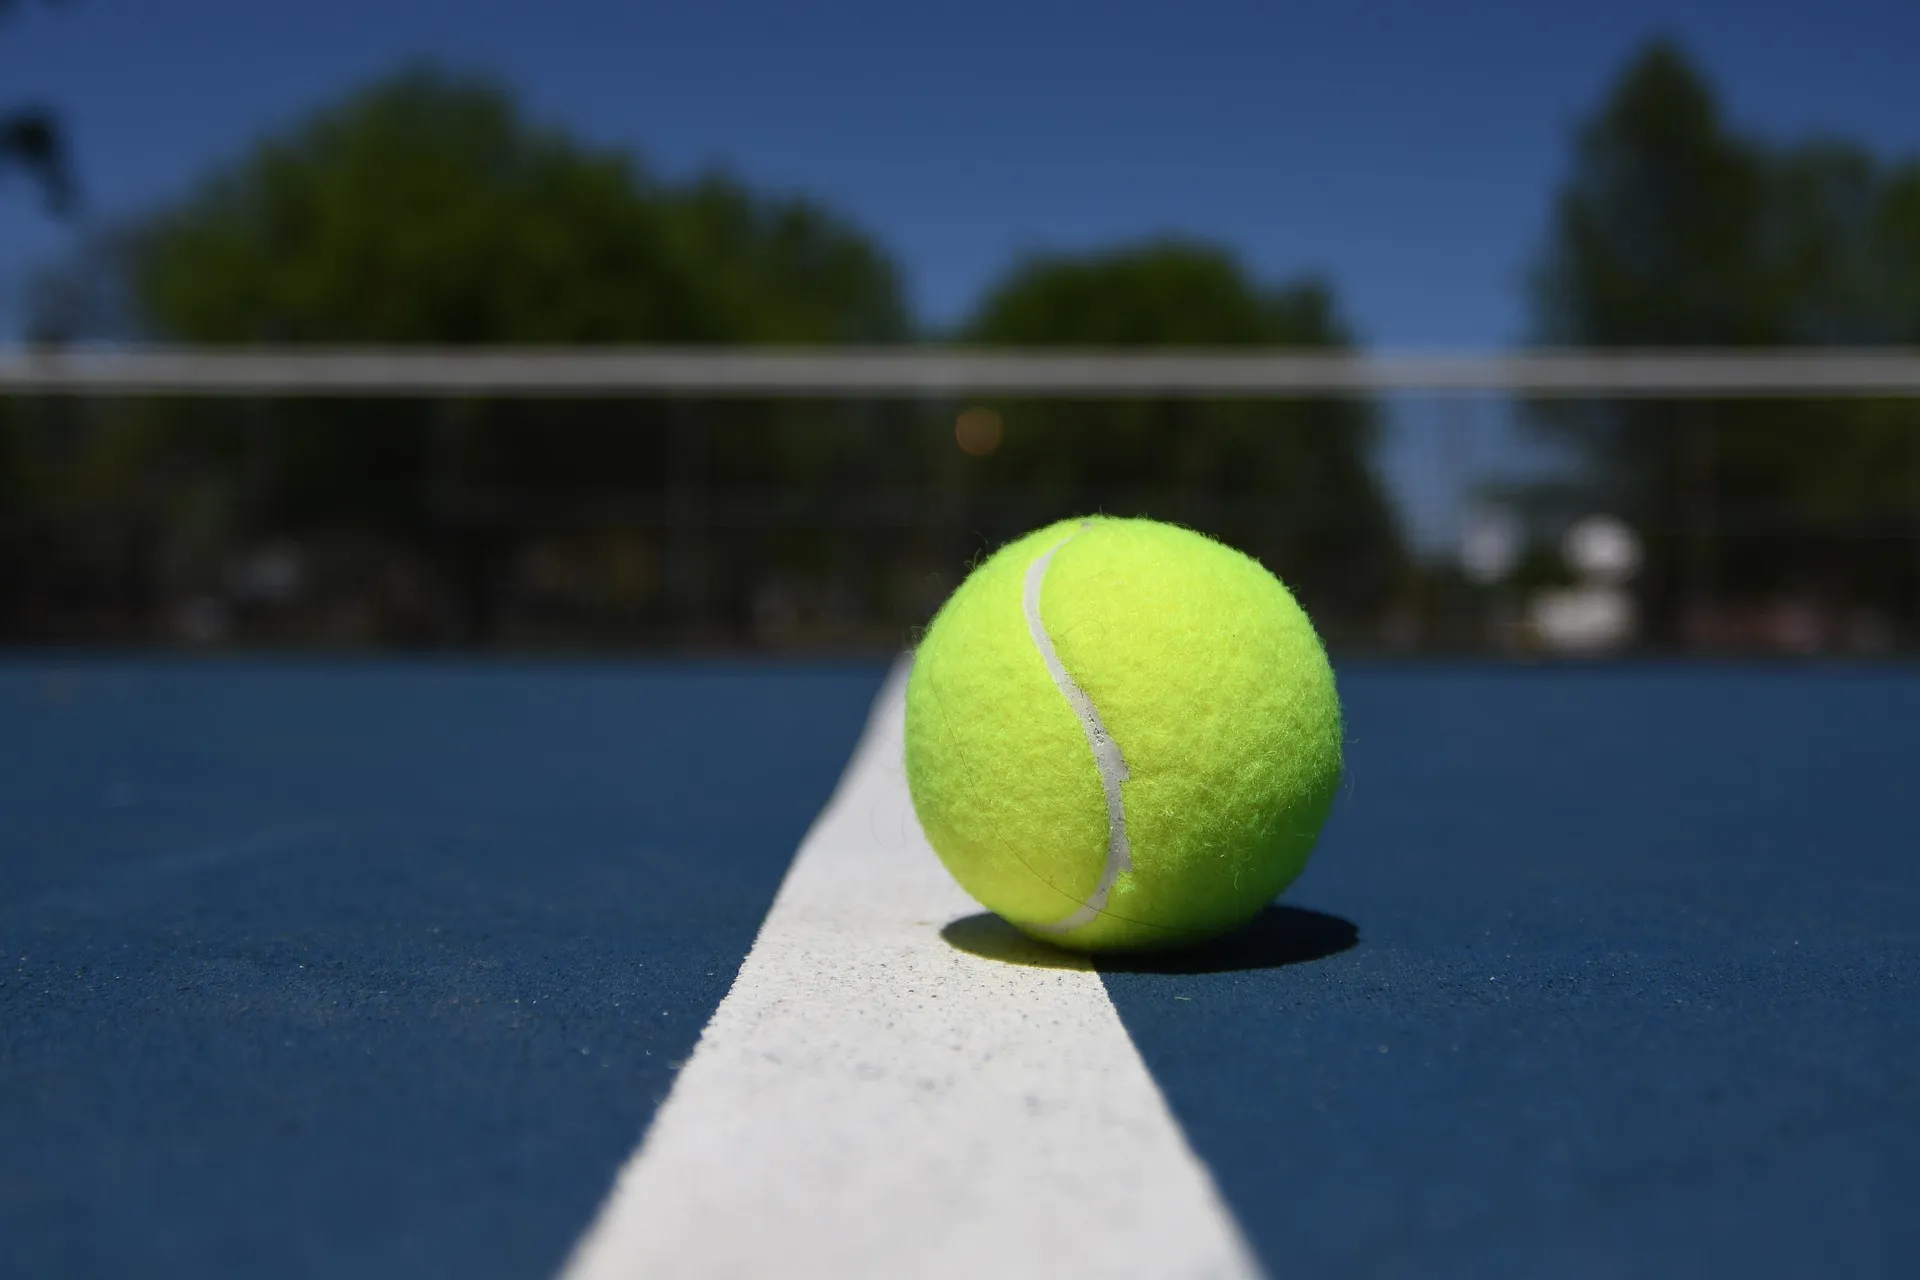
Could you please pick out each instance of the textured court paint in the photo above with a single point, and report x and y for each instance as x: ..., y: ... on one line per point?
x: 869, y: 1101
x: 1107, y: 756
x: 1640, y: 945
x: 372, y: 969
x: 1637, y: 992
x: 1207, y: 675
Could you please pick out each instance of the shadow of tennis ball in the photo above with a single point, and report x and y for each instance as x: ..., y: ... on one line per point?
x: 1276, y: 937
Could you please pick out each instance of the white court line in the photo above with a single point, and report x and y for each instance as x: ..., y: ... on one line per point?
x: 870, y: 1101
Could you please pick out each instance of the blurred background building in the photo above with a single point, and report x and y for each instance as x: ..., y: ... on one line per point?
x: 428, y: 207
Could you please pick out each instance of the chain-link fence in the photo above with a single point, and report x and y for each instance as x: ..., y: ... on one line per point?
x: 1702, y: 502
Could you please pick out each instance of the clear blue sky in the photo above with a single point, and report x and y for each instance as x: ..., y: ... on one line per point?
x: 1407, y: 151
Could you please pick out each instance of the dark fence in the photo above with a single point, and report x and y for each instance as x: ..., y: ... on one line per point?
x: 1704, y: 503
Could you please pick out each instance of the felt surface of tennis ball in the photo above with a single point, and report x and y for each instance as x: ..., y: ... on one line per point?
x: 1207, y: 677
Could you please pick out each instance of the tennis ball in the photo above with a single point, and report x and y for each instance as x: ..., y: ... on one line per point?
x: 1122, y: 734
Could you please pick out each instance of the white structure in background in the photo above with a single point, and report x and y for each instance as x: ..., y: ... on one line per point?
x: 1597, y: 615
x: 1490, y: 547
x: 1602, y: 550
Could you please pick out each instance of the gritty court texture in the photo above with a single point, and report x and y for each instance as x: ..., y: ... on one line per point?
x: 385, y: 969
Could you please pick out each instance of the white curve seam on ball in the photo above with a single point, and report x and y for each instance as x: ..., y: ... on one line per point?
x: 1107, y: 758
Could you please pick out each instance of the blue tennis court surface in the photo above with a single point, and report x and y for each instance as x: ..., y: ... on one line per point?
x: 381, y: 969
x: 370, y: 970
x: 1637, y: 990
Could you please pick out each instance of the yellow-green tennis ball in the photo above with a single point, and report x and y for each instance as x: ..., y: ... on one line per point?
x: 1122, y: 734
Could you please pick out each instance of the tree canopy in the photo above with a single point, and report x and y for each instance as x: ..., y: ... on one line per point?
x: 428, y: 209
x: 1675, y: 228
x: 1288, y: 481
x: 1160, y: 294
x: 33, y: 140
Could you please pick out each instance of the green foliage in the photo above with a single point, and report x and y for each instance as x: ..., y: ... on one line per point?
x: 1163, y: 294
x: 1895, y: 250
x: 1657, y: 232
x: 1673, y: 229
x: 425, y: 209
x: 779, y: 271
x: 1287, y: 481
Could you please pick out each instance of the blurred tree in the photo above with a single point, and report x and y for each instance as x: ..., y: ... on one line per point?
x: 1657, y: 234
x: 427, y: 209
x: 1162, y: 294
x: 1896, y: 251
x: 32, y: 140
x: 1673, y: 229
x: 1290, y: 482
